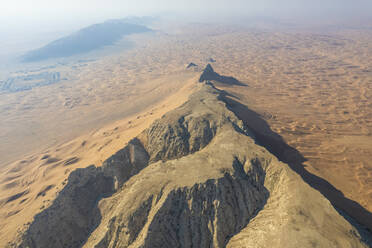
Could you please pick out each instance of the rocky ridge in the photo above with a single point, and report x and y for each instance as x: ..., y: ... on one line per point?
x: 194, y: 178
x: 210, y: 75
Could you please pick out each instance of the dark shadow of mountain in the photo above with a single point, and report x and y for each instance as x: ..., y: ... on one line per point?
x: 210, y: 75
x: 224, y: 93
x: 85, y: 40
x: 74, y: 212
x: 274, y: 143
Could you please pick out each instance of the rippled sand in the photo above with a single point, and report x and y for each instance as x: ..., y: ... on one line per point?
x: 314, y: 88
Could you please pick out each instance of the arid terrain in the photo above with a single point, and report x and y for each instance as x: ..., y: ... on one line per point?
x: 309, y: 89
x: 314, y: 90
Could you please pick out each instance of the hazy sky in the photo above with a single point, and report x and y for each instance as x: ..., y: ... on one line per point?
x: 27, y: 20
x: 26, y: 24
x: 26, y: 12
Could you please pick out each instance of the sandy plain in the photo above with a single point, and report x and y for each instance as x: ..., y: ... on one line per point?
x: 312, y: 87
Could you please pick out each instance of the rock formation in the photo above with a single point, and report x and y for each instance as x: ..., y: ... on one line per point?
x: 191, y: 65
x: 194, y: 178
x: 210, y: 75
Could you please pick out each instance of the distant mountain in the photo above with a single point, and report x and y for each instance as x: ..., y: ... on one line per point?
x: 140, y: 20
x: 87, y: 39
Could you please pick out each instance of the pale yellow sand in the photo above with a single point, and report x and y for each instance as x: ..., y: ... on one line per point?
x: 79, y: 123
x: 42, y: 175
x: 315, y: 90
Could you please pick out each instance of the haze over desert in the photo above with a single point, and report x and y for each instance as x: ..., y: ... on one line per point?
x: 234, y: 128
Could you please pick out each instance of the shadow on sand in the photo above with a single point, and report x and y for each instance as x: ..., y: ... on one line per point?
x: 210, y: 75
x: 352, y: 211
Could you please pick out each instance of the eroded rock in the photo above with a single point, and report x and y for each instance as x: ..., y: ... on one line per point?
x: 194, y: 178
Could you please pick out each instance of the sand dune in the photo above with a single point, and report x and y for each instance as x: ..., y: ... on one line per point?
x: 312, y: 88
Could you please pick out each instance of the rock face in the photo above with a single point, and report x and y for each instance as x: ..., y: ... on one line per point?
x: 194, y: 178
x: 210, y: 75
x: 191, y: 65
x: 74, y: 213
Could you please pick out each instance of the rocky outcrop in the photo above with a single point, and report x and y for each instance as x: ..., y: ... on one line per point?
x: 210, y: 75
x: 204, y: 215
x: 189, y: 128
x: 191, y: 65
x: 194, y: 178
x: 126, y: 163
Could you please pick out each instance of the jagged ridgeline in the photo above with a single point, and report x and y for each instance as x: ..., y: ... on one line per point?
x: 194, y: 178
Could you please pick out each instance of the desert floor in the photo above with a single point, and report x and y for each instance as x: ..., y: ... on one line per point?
x: 312, y: 87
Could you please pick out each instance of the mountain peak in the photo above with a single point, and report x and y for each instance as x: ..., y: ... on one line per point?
x: 210, y: 75
x: 208, y: 68
x: 191, y: 65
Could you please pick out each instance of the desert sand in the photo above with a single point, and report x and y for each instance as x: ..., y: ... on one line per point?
x: 315, y: 91
x: 108, y: 110
x: 312, y: 87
